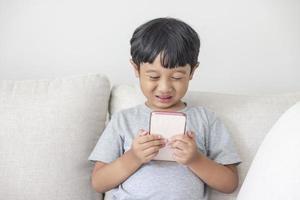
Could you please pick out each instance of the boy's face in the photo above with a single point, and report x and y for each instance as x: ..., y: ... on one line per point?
x: 163, y: 87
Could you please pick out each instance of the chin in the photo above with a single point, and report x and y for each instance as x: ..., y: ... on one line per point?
x: 165, y: 106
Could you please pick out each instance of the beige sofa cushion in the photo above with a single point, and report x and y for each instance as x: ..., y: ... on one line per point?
x: 248, y: 118
x: 47, y: 130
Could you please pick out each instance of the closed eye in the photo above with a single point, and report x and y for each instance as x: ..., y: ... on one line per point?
x: 154, y: 77
x: 176, y: 78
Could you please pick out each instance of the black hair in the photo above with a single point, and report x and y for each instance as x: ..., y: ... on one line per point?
x: 177, y: 43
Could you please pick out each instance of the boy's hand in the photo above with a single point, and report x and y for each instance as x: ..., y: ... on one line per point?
x: 184, y: 148
x: 145, y: 146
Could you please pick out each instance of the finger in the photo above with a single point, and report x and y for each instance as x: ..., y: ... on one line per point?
x: 160, y: 142
x: 177, y: 157
x: 143, y: 132
x: 183, y: 138
x: 151, y: 150
x: 178, y: 137
x: 179, y: 145
x: 149, y: 137
x: 178, y: 153
x: 151, y: 156
x: 191, y: 134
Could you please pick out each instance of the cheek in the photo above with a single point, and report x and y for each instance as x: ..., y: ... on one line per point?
x: 147, y: 86
x: 182, y: 87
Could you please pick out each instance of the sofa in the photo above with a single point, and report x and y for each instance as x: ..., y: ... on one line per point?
x: 49, y: 127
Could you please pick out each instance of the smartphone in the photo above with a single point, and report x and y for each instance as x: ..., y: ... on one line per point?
x: 167, y: 124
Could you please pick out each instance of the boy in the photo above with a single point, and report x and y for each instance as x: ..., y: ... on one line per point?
x: 164, y: 56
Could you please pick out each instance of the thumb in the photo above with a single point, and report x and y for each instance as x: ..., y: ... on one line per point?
x: 142, y: 132
x: 191, y: 134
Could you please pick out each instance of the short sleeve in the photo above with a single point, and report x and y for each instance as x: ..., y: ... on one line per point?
x: 109, y: 145
x: 221, y: 148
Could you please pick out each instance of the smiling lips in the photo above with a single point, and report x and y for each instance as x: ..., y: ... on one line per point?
x: 164, y: 99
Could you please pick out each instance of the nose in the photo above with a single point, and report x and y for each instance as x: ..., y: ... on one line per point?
x: 164, y: 86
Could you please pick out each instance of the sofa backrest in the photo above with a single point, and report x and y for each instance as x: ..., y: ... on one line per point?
x: 248, y: 117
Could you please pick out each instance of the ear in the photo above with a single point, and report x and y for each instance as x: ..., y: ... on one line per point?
x: 136, y: 69
x: 192, y: 72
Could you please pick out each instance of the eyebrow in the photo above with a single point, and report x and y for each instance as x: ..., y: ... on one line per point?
x: 181, y: 71
x: 150, y: 71
x: 178, y: 71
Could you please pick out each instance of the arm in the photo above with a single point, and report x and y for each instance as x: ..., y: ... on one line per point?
x: 223, y: 178
x: 108, y: 176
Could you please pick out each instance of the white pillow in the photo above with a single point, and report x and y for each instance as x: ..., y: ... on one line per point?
x: 47, y: 130
x: 275, y: 171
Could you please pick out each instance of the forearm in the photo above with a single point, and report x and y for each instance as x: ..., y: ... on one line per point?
x: 113, y: 174
x: 215, y: 175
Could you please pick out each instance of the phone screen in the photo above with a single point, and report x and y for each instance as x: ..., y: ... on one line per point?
x: 167, y: 123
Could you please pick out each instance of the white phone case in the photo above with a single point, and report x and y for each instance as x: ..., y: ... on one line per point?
x: 167, y: 124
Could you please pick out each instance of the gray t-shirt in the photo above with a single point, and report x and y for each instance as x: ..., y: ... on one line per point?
x: 164, y: 179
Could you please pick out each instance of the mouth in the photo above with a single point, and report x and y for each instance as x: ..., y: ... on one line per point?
x: 163, y: 98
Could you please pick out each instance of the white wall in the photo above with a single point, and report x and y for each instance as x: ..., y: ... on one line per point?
x: 247, y: 46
